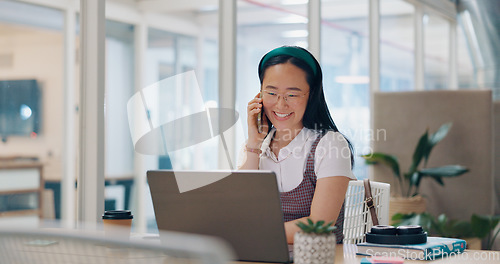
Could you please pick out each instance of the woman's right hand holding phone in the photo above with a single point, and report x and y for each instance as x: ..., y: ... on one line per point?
x: 254, y: 108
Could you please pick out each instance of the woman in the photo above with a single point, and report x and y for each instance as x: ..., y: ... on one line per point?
x: 299, y: 140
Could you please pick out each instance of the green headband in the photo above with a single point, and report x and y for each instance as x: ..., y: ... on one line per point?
x: 291, y: 51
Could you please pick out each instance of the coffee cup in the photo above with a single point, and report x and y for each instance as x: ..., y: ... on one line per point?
x: 117, y: 223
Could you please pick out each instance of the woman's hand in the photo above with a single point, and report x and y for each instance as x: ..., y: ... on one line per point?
x: 327, y: 202
x: 253, y: 109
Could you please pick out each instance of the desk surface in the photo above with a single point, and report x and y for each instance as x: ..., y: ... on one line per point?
x: 34, y: 249
x: 345, y: 254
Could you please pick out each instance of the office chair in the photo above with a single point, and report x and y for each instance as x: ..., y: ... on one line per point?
x: 357, y: 219
x: 75, y: 246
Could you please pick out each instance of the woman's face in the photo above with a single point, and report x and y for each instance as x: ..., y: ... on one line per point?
x: 280, y: 81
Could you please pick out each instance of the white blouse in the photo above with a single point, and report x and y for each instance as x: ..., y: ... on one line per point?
x: 332, y: 158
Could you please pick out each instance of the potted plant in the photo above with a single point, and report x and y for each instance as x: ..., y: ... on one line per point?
x: 409, y: 198
x: 479, y: 227
x: 314, y: 243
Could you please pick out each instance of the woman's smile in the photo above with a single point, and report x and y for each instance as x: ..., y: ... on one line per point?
x: 282, y: 116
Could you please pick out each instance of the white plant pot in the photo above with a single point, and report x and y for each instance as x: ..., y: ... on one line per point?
x: 314, y: 248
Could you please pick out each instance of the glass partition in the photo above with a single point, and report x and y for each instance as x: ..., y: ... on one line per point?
x: 436, y: 52
x: 119, y: 158
x: 32, y: 81
x: 467, y: 78
x: 182, y: 78
x: 397, y: 46
x: 344, y: 60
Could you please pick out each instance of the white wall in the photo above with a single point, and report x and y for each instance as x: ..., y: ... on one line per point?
x: 38, y: 55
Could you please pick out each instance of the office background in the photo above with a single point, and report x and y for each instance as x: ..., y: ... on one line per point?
x: 407, y: 45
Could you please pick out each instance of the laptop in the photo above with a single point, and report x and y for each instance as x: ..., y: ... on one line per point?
x: 242, y: 208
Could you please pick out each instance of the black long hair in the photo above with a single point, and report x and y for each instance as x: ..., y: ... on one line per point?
x: 317, y: 115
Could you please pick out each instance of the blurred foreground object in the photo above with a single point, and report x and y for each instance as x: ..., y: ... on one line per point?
x: 53, y: 245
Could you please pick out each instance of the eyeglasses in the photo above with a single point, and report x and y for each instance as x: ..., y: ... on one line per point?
x: 291, y: 98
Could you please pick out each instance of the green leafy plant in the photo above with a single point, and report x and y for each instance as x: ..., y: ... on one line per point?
x: 409, y: 182
x: 316, y: 228
x: 480, y: 226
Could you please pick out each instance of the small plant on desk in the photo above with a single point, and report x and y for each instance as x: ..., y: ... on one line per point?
x: 315, y: 243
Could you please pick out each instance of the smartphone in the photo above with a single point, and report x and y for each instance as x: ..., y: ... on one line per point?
x: 259, y: 116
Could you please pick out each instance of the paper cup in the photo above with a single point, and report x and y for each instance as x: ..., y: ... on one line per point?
x: 117, y: 223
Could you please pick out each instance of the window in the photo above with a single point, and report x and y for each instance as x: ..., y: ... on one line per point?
x: 466, y: 68
x: 344, y: 60
x: 397, y: 46
x: 119, y: 158
x: 436, y: 50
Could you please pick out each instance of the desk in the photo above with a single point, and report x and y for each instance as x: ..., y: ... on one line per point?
x: 60, y: 246
x: 345, y: 254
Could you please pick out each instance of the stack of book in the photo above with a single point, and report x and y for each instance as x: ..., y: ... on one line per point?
x: 436, y: 247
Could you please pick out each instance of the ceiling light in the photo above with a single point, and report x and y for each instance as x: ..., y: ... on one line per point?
x: 352, y: 79
x: 292, y: 19
x: 302, y: 33
x: 294, y: 2
x: 208, y: 8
